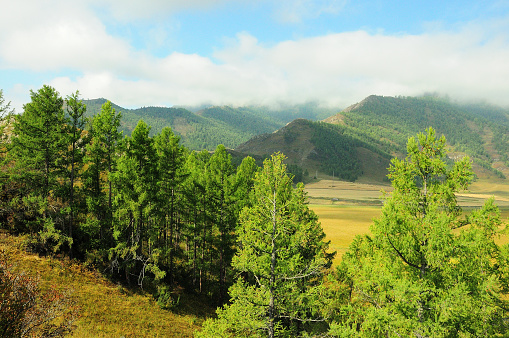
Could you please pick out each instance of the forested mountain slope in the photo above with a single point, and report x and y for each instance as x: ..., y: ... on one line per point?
x: 322, y: 147
x: 208, y: 127
x: 359, y: 141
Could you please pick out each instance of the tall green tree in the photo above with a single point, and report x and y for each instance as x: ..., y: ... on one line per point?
x: 220, y: 186
x: 244, y: 181
x: 37, y: 145
x: 102, y: 153
x: 171, y: 173
x: 135, y: 183
x: 38, y: 141
x: 195, y: 205
x: 282, y: 256
x: 426, y: 270
x: 72, y: 160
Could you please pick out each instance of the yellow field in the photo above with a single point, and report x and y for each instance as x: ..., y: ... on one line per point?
x: 342, y: 223
x: 344, y: 193
x: 330, y: 192
x: 347, y: 209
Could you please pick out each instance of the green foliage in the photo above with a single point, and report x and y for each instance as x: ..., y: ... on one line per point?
x: 425, y: 271
x: 135, y: 185
x: 101, y: 156
x: 211, y: 126
x: 336, y: 151
x: 296, y: 172
x: 165, y: 299
x: 387, y: 122
x: 282, y: 258
x: 148, y: 208
x: 5, y: 107
x: 38, y: 143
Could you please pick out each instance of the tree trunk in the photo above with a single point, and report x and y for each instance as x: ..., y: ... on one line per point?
x: 273, y: 261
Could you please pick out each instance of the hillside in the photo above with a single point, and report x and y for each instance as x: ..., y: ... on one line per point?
x: 322, y: 147
x: 106, y: 309
x: 205, y: 128
x: 358, y: 142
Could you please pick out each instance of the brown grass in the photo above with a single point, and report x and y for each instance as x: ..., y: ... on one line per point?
x: 342, y: 223
x: 347, y: 209
x: 107, y: 310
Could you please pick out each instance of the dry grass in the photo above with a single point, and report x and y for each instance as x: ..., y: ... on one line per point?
x: 331, y: 192
x: 347, y: 209
x: 342, y: 223
x: 344, y: 193
x: 107, y: 310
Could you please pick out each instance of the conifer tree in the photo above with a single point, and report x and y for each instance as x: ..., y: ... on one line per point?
x: 38, y: 144
x: 195, y: 206
x: 244, y: 181
x: 102, y: 153
x: 170, y: 167
x: 135, y: 183
x: 220, y: 186
x: 72, y: 160
x: 426, y: 270
x: 282, y: 256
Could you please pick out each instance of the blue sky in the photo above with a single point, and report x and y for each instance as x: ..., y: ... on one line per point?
x: 238, y: 52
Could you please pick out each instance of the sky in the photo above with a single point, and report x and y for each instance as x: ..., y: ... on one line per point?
x: 262, y: 52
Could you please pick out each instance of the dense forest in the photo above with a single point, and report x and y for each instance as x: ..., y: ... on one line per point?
x: 152, y: 214
x: 365, y: 136
x: 206, y: 128
x: 387, y: 122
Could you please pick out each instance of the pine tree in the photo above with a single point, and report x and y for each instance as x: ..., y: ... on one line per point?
x: 282, y: 257
x: 38, y: 143
x: 135, y: 183
x: 102, y: 153
x: 195, y: 206
x: 170, y: 167
x: 72, y: 160
x: 427, y: 270
x: 220, y: 186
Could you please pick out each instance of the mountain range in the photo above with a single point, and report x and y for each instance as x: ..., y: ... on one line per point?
x: 206, y: 127
x: 352, y: 144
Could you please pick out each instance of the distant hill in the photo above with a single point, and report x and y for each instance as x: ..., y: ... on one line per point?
x: 321, y: 147
x: 205, y: 128
x: 358, y: 142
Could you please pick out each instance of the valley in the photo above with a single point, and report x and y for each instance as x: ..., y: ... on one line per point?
x: 155, y: 205
x: 347, y: 209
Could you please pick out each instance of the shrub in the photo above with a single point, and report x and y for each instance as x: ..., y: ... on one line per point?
x: 25, y: 311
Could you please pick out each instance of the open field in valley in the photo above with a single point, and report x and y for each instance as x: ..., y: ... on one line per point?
x: 347, y: 209
x: 342, y: 223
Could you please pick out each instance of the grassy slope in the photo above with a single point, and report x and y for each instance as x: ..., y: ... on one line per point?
x: 107, y: 310
x: 379, y: 127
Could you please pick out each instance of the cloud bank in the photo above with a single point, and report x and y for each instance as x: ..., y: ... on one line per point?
x: 469, y: 62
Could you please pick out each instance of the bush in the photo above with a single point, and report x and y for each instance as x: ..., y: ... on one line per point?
x: 27, y: 312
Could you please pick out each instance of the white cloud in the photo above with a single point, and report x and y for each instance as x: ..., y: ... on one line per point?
x: 338, y: 69
x: 49, y: 39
